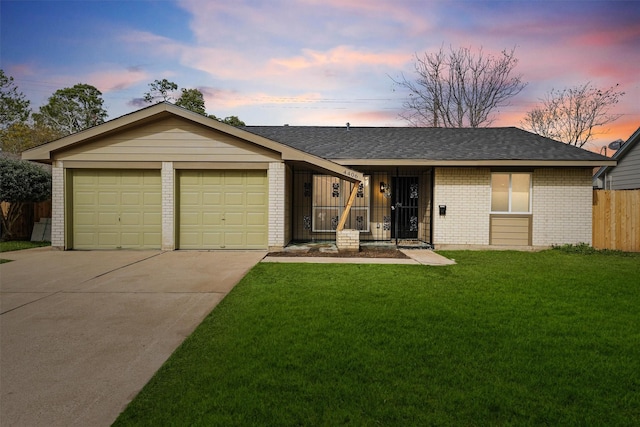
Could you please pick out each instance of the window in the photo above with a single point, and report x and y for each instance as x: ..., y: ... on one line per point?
x: 511, y: 192
x: 330, y: 196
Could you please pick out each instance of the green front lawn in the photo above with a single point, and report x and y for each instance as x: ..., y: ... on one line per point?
x: 18, y: 245
x: 501, y: 338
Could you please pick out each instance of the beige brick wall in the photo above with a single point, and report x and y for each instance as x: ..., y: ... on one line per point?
x: 168, y: 206
x: 57, y: 204
x: 348, y: 240
x: 467, y: 194
x: 277, y: 181
x: 562, y: 201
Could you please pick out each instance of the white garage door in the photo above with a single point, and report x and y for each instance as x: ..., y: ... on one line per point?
x: 116, y: 209
x: 222, y: 209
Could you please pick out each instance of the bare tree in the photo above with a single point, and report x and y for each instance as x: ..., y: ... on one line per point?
x: 571, y: 115
x: 459, y: 88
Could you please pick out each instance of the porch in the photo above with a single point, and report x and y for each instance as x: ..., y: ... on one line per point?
x: 393, y: 206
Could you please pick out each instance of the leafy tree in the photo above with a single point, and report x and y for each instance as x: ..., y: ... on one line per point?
x: 22, y: 136
x: 192, y: 99
x: 73, y: 109
x: 459, y: 88
x: 14, y: 107
x: 20, y: 182
x: 160, y: 91
x: 230, y: 120
x: 571, y: 115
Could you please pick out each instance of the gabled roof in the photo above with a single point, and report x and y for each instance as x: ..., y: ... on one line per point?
x: 620, y: 154
x: 45, y: 153
x: 433, y: 146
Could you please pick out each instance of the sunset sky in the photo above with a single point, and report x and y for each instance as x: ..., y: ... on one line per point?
x: 314, y: 62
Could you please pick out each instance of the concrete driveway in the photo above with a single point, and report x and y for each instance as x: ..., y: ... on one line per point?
x: 82, y: 332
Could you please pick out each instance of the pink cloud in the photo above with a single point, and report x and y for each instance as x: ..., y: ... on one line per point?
x: 344, y: 56
x: 117, y: 79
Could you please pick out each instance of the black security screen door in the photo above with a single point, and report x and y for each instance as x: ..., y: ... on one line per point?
x: 404, y: 214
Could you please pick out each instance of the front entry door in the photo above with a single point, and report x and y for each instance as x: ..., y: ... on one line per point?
x: 404, y: 213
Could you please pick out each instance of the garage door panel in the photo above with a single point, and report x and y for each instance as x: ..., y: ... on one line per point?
x: 108, y: 198
x: 130, y: 239
x: 131, y: 199
x: 189, y: 198
x: 255, y: 240
x: 84, y: 198
x: 106, y: 218
x: 234, y: 198
x: 106, y: 179
x: 231, y: 204
x: 257, y: 180
x: 256, y: 218
x: 152, y: 219
x: 234, y: 239
x: 115, y: 208
x: 212, y: 240
x: 132, y: 218
x: 256, y: 199
x: 234, y: 219
x: 108, y: 239
x: 211, y: 198
x: 211, y: 219
x: 214, y: 178
x: 152, y: 198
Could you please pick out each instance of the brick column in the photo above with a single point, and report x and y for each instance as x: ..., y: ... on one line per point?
x: 57, y: 204
x: 348, y: 240
x: 276, y: 175
x: 168, y: 206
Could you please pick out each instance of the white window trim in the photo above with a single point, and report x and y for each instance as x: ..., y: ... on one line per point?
x: 510, y: 212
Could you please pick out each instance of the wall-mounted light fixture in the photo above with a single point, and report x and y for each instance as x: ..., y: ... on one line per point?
x: 385, y: 189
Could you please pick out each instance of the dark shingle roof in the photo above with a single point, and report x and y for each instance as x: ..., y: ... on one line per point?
x: 387, y: 143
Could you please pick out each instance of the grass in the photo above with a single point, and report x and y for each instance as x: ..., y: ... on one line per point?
x: 501, y: 338
x: 18, y: 245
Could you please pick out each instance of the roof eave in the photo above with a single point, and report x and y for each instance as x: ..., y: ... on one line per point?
x: 467, y: 163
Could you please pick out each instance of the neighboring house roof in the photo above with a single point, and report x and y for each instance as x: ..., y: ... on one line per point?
x: 374, y: 145
x: 619, y: 156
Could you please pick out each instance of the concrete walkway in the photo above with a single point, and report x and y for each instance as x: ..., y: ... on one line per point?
x: 416, y: 257
x: 82, y: 332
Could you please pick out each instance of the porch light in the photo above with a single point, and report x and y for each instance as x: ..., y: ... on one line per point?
x: 383, y: 187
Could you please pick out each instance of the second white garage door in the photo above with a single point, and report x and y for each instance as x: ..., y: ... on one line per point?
x: 222, y: 209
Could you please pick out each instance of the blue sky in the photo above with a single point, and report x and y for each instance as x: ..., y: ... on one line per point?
x: 314, y: 62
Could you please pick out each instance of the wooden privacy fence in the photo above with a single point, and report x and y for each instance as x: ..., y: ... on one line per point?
x: 616, y: 220
x: 31, y: 213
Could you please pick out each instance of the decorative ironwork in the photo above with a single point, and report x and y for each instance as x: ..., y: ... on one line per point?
x: 306, y: 222
x: 360, y: 192
x: 359, y: 222
x: 386, y: 222
x: 413, y: 191
x: 334, y: 222
x: 336, y: 189
x: 307, y: 189
x: 413, y: 223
